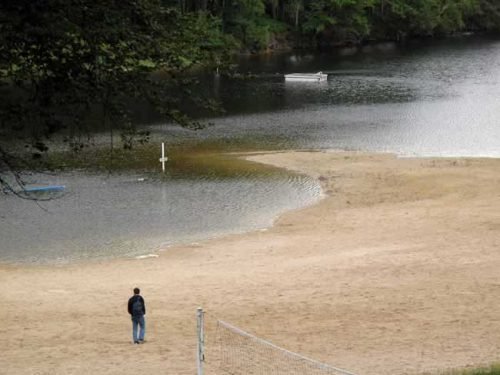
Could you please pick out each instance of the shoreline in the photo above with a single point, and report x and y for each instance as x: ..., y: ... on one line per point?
x: 253, y: 157
x: 394, y: 270
x: 251, y: 207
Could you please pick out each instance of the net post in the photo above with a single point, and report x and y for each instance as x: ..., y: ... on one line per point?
x: 200, y: 356
x: 163, y: 158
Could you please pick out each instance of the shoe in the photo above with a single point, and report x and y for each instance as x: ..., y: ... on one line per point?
x: 136, y: 342
x: 141, y: 341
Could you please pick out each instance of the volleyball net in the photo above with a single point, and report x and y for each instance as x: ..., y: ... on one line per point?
x: 236, y: 352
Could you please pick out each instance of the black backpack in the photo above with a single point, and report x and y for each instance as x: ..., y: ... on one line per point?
x: 137, y: 308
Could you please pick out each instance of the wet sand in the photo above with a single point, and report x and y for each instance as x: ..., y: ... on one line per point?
x: 395, y: 271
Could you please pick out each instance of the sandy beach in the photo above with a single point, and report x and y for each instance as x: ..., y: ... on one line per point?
x: 395, y: 271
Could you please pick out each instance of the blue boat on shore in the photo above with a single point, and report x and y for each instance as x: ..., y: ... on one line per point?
x: 43, y: 189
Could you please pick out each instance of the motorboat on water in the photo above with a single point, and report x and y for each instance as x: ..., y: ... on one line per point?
x: 307, y: 77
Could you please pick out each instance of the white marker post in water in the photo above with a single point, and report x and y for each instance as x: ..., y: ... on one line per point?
x: 163, y: 158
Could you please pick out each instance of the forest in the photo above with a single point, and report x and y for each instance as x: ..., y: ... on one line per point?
x: 257, y: 25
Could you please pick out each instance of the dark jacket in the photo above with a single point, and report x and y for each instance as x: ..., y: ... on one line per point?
x: 131, y: 303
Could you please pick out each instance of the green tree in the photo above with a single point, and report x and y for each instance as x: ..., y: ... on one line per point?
x: 248, y: 22
x: 61, y: 60
x: 294, y: 8
x: 486, y: 16
x: 338, y: 21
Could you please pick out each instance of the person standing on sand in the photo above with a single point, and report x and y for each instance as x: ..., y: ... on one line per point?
x: 137, y: 310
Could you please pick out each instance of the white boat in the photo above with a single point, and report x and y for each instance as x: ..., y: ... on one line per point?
x: 311, y: 77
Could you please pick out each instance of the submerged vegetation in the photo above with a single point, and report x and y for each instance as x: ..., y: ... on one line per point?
x: 201, y: 160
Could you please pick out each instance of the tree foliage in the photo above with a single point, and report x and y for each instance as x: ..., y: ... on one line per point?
x: 338, y: 22
x: 67, y: 64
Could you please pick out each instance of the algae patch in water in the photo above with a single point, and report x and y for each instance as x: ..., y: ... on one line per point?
x: 200, y: 160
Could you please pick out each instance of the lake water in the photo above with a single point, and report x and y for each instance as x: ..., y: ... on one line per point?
x: 101, y: 216
x: 427, y: 99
